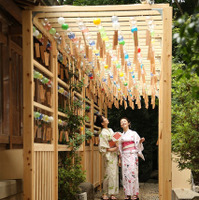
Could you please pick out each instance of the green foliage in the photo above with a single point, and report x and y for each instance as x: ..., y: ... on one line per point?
x: 185, y: 121
x: 186, y: 39
x: 87, y: 108
x: 70, y: 176
x: 88, y: 134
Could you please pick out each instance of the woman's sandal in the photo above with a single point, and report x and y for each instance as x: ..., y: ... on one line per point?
x: 135, y: 198
x: 112, y: 197
x: 104, y: 197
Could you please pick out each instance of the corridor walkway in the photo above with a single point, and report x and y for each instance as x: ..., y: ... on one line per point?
x: 148, y: 191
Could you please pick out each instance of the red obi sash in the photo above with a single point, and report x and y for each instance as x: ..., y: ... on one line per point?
x: 128, y: 145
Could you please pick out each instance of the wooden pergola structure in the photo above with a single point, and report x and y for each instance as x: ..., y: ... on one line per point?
x: 148, y: 74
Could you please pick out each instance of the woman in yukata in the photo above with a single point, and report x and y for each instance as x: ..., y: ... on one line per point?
x: 111, y: 177
x: 130, y: 147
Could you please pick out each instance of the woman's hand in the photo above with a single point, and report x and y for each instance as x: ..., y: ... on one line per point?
x: 142, y: 140
x: 113, y: 149
x: 117, y: 145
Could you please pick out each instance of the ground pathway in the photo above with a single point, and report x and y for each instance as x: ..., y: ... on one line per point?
x: 148, y: 191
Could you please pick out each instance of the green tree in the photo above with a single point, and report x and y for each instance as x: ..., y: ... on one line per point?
x: 185, y: 121
x: 186, y: 48
x: 70, y: 175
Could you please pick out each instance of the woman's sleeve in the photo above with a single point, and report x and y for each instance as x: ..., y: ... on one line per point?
x: 103, y: 144
x: 139, y: 146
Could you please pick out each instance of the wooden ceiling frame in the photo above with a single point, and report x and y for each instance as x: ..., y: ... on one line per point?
x: 165, y: 56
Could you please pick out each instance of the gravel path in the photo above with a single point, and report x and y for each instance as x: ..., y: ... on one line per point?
x: 148, y: 191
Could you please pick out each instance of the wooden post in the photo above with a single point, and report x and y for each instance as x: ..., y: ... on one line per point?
x: 28, y: 116
x: 11, y: 94
x: 165, y: 109
x: 100, y: 156
x: 83, y: 113
x: 92, y: 141
x: 54, y: 68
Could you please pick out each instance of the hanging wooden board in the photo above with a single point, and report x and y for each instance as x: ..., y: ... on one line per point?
x: 37, y: 50
x: 46, y: 58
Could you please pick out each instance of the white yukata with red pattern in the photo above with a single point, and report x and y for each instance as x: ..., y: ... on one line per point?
x: 130, y: 147
x: 111, y: 176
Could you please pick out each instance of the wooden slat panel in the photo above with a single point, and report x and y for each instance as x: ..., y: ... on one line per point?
x: 96, y: 168
x: 88, y: 166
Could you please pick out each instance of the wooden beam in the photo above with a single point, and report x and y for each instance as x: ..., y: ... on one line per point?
x: 28, y: 116
x: 165, y: 182
x: 46, y: 108
x: 99, y: 8
x: 92, y: 13
x: 42, y: 68
x: 12, y: 9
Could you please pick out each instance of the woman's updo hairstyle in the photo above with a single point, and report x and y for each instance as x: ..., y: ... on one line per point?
x: 99, y: 120
x: 126, y: 120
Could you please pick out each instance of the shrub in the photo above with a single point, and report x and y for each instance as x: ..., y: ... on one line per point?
x: 70, y: 175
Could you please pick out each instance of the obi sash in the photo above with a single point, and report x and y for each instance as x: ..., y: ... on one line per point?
x: 130, y: 145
